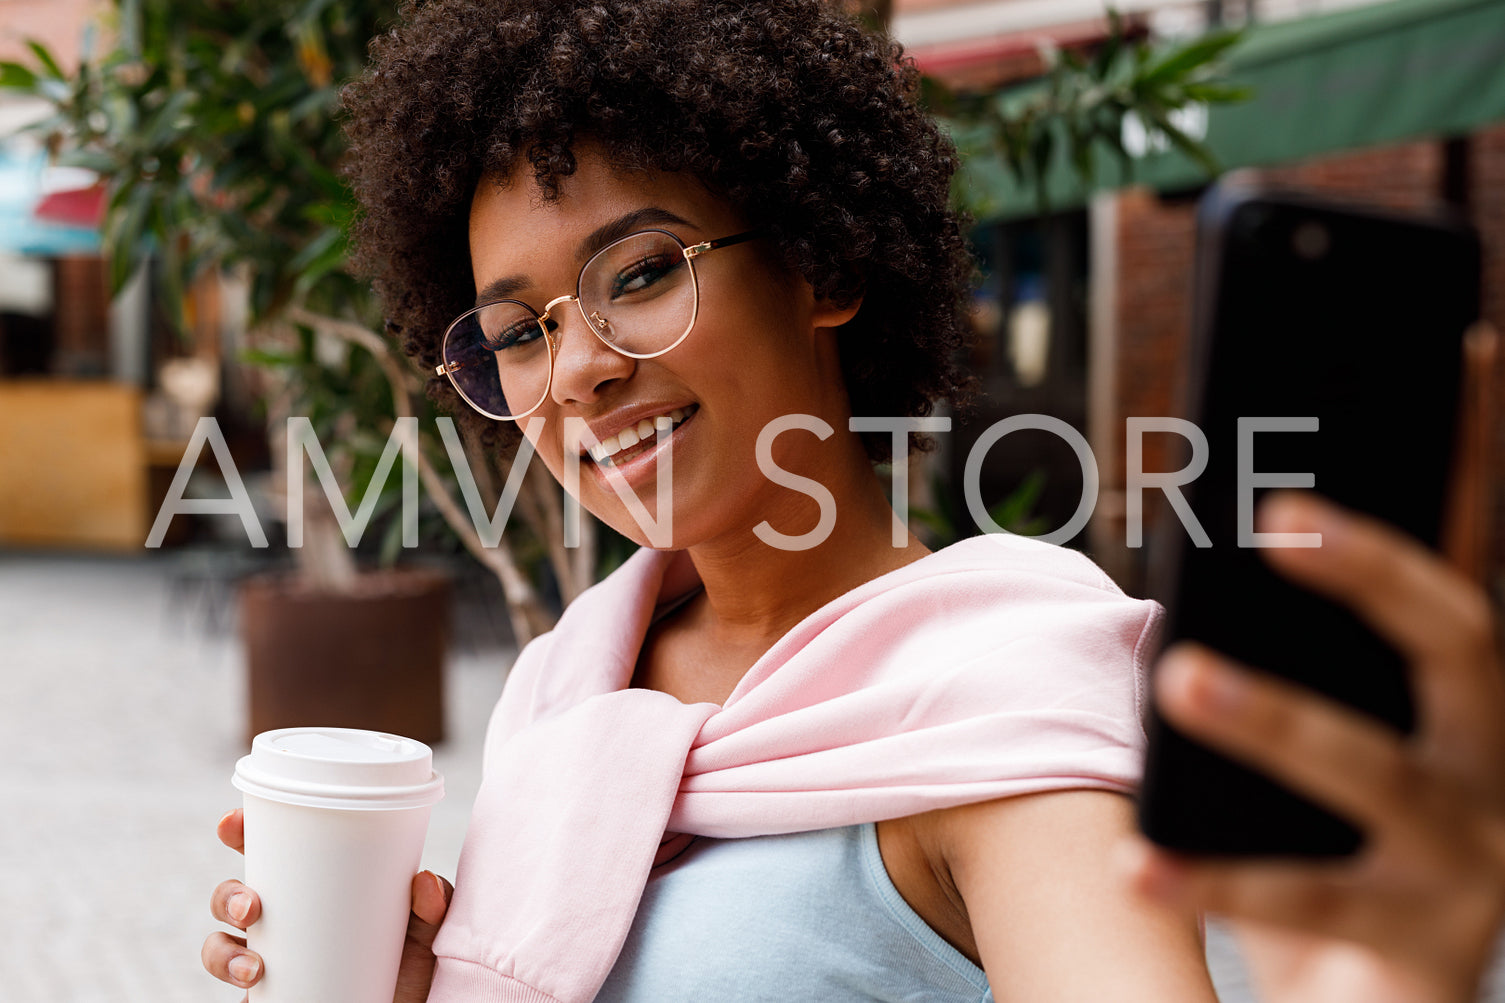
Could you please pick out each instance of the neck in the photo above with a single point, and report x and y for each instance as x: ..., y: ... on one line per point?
x: 755, y: 592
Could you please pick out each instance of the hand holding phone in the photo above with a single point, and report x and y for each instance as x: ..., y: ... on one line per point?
x: 1326, y: 353
x: 1416, y: 915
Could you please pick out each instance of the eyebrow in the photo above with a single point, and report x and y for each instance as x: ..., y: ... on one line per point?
x: 509, y: 286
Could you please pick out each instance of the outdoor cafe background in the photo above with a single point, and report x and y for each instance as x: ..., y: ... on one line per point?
x: 1083, y: 313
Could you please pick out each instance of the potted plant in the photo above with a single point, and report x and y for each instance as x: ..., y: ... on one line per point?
x: 213, y: 124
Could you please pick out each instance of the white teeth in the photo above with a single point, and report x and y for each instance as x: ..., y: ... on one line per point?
x: 644, y: 430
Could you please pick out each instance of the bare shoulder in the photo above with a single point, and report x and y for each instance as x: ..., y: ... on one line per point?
x: 1049, y: 914
x: 1081, y: 816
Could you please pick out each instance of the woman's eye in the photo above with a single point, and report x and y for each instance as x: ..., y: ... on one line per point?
x: 514, y: 335
x: 643, y: 273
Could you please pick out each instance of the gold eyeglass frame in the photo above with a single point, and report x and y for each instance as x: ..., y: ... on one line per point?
x: 597, y: 324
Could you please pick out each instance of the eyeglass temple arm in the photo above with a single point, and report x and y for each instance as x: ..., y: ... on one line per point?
x: 694, y: 250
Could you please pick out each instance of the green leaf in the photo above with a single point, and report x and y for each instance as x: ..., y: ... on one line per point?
x: 339, y: 214
x: 54, y: 90
x: 325, y: 268
x: 319, y: 104
x: 1107, y: 54
x: 310, y: 12
x: 269, y: 359
x: 391, y: 543
x: 1014, y: 511
x: 14, y: 76
x: 941, y: 531
x: 1181, y: 141
x: 130, y: 28
x: 1081, y: 151
x: 94, y: 160
x: 45, y: 58
x: 1217, y: 93
x: 937, y: 97
x: 171, y: 120
x: 1180, y: 62
x: 1043, y: 147
x: 125, y: 229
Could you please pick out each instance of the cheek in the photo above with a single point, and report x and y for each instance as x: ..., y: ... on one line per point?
x: 543, y: 434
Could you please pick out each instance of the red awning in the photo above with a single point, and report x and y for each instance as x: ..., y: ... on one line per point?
x: 996, y: 60
x: 74, y: 207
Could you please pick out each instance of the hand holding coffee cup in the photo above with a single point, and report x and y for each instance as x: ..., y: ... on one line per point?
x: 333, y: 828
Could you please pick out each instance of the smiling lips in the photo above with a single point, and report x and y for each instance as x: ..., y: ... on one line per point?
x: 614, y: 447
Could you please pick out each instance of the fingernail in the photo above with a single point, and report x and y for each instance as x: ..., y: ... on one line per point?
x: 1222, y: 689
x: 1159, y: 877
x: 239, y: 906
x: 243, y: 969
x: 1147, y: 870
x: 1301, y: 512
x: 1204, y: 683
x: 224, y: 818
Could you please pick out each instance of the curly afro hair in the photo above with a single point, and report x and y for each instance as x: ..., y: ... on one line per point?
x: 803, y: 121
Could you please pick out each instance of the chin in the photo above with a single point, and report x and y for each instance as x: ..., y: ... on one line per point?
x: 619, y: 519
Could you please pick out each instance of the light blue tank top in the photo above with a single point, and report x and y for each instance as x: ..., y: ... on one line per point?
x: 809, y: 916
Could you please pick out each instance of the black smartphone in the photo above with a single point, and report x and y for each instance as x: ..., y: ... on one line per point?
x: 1326, y: 353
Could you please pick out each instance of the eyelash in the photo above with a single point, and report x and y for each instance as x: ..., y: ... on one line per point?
x: 663, y: 263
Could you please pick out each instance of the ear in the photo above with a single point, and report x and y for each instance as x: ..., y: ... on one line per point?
x: 829, y: 314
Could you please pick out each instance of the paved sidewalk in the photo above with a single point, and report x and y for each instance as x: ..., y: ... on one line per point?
x: 121, y: 718
x: 120, y: 723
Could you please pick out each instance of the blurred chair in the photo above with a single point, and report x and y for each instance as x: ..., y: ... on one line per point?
x: 73, y: 466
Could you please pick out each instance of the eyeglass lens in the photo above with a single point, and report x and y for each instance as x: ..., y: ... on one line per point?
x: 637, y: 294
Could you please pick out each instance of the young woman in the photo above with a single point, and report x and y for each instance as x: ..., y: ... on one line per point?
x: 780, y: 754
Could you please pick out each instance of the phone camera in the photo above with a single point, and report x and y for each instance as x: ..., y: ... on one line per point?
x: 1311, y: 240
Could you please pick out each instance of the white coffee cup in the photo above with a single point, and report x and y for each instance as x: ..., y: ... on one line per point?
x: 334, y: 822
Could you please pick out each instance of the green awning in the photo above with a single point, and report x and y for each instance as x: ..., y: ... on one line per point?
x: 1361, y: 77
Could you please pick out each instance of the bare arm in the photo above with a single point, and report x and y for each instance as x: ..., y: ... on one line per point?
x: 1053, y: 917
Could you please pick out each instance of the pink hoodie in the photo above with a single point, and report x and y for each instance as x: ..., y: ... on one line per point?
x: 995, y: 667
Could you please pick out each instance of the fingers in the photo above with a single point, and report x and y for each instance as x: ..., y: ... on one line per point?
x: 226, y: 958
x: 1333, y: 754
x: 1402, y: 590
x: 234, y: 903
x: 1429, y: 920
x: 231, y: 830
x: 431, y: 895
x: 1433, y: 615
x: 1292, y: 894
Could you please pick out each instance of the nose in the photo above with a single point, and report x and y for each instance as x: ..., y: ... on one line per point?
x: 584, y: 367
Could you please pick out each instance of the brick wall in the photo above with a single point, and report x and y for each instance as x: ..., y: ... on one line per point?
x: 1155, y: 249
x: 58, y: 24
x: 1487, y: 209
x: 81, y: 316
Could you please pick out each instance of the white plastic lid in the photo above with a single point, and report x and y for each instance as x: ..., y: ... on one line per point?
x: 339, y: 768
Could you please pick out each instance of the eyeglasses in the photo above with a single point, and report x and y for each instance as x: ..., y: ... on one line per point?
x: 639, y: 295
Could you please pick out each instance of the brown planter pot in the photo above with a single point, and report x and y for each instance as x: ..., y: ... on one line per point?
x: 373, y: 658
